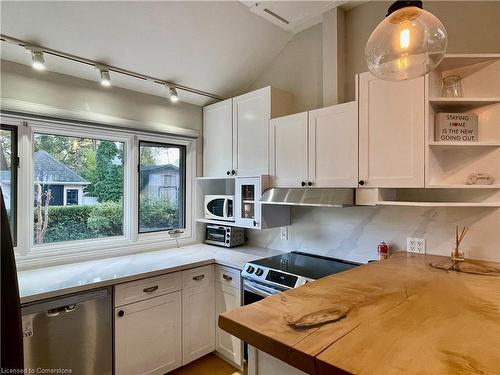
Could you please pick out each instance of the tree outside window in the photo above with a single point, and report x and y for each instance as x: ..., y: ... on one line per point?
x: 73, y: 165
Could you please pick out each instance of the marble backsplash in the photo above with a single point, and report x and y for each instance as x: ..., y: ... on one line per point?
x: 353, y: 233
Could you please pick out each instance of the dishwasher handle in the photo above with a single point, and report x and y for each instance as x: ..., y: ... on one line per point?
x: 61, y: 310
x: 61, y: 303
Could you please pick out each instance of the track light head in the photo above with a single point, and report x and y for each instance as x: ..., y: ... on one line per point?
x: 38, y: 61
x: 174, y: 96
x: 105, y: 77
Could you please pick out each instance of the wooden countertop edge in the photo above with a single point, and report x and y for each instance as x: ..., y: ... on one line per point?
x: 277, y: 349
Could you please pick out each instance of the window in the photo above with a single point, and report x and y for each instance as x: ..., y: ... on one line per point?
x: 71, y: 197
x: 161, y: 186
x: 94, y: 166
x: 8, y: 173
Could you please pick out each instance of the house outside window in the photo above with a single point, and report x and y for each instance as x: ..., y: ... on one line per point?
x: 161, y: 183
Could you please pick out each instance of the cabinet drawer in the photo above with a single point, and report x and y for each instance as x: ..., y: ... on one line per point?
x: 146, y: 288
x: 198, y: 277
x: 227, y: 276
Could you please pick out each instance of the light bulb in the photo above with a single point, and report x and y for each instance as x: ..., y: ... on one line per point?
x: 174, y: 97
x: 38, y: 61
x: 407, y: 44
x: 105, y: 78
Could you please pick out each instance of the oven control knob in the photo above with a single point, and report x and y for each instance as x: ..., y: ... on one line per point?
x: 250, y: 269
x: 259, y: 272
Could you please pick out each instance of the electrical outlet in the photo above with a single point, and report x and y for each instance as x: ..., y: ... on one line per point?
x: 284, y: 233
x: 415, y: 245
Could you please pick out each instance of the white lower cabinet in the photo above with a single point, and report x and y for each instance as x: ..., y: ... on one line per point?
x: 148, y: 336
x: 227, y: 297
x: 198, y: 313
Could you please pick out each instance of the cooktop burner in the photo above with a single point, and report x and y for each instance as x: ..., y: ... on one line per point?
x: 293, y: 269
x: 306, y: 265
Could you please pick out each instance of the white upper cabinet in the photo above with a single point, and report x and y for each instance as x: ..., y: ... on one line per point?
x: 289, y: 150
x: 236, y: 132
x: 251, y: 115
x: 317, y: 149
x: 218, y: 139
x: 391, y: 132
x: 333, y: 146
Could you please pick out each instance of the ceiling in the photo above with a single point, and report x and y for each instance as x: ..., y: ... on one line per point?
x: 218, y: 47
x: 293, y: 16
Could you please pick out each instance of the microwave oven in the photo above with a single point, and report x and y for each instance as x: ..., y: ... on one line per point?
x: 219, y: 207
x: 226, y: 236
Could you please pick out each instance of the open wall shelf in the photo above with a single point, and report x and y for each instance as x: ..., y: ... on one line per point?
x: 445, y: 197
x: 449, y: 163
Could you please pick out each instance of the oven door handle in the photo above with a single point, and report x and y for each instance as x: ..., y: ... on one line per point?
x: 259, y: 290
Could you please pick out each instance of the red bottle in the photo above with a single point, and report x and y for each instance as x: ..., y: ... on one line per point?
x: 383, y: 251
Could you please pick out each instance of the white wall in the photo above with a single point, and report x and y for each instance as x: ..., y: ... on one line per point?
x: 353, y: 233
x: 298, y: 69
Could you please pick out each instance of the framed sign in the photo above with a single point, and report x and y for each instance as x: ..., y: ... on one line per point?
x: 456, y: 127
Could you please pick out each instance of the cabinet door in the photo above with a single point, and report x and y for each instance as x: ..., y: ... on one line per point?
x: 198, y: 312
x: 148, y: 336
x: 391, y: 132
x: 227, y: 298
x: 289, y: 150
x: 247, y: 208
x: 333, y: 146
x: 251, y: 115
x: 218, y: 139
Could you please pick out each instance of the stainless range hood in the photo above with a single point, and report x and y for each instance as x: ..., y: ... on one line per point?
x: 316, y: 197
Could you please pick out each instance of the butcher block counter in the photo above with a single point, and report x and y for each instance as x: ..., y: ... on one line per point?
x: 402, y: 317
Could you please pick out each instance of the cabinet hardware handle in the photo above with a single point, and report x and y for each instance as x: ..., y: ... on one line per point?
x: 121, y: 313
x: 309, y: 183
x: 228, y: 173
x: 226, y: 277
x: 361, y: 182
x: 254, y: 223
x: 150, y: 289
x: 198, y: 278
x: 233, y: 172
x: 303, y: 183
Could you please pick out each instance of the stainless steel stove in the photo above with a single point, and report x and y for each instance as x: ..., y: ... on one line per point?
x: 268, y: 276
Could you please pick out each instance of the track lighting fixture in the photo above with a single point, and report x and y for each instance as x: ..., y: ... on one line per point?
x: 38, y: 53
x: 38, y: 61
x: 174, y: 97
x: 105, y: 77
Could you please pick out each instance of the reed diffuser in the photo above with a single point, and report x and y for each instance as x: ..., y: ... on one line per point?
x: 457, y: 254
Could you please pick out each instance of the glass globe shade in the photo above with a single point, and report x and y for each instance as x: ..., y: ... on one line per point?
x: 407, y: 44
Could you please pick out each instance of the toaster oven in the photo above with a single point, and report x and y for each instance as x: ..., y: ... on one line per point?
x: 226, y: 236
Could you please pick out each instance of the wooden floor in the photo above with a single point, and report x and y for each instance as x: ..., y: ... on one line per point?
x: 207, y: 365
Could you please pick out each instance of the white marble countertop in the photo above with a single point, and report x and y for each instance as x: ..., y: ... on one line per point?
x: 47, y: 282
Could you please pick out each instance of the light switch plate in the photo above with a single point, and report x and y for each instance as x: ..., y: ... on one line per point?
x: 415, y: 245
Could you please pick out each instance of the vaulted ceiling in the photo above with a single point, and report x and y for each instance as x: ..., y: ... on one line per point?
x: 218, y: 47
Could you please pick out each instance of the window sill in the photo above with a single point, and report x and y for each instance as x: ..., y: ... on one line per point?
x: 46, y: 256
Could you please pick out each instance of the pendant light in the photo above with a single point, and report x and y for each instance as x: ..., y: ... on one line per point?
x: 407, y: 44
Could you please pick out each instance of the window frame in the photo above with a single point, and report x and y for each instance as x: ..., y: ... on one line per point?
x: 182, y: 187
x: 71, y: 190
x: 29, y: 255
x: 14, y: 165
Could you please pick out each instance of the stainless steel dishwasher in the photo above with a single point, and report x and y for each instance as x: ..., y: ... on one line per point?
x: 72, y: 332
